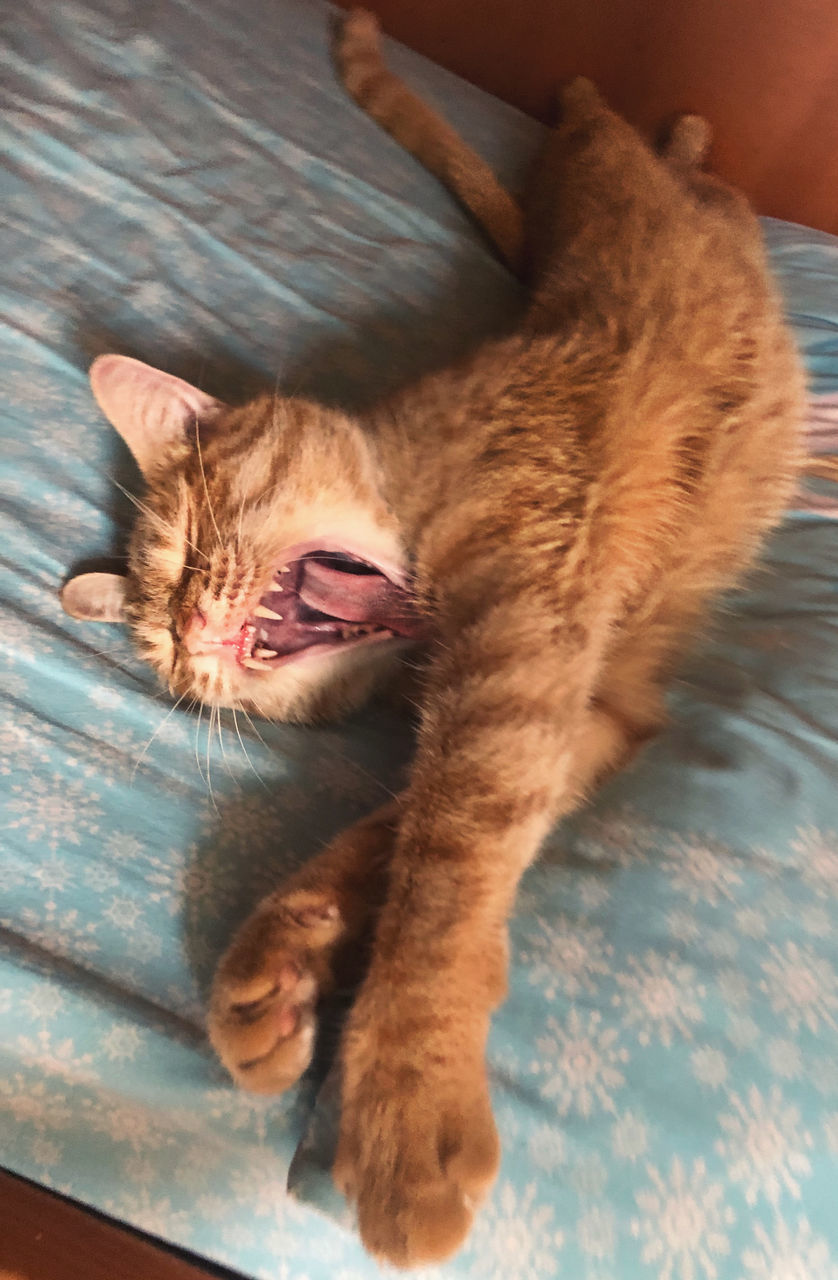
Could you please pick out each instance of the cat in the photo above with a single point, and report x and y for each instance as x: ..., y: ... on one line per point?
x: 547, y: 520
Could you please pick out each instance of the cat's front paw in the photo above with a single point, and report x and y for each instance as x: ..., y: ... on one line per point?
x: 262, y: 1020
x: 418, y: 1148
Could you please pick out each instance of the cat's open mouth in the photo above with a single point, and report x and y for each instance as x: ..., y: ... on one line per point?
x: 325, y: 600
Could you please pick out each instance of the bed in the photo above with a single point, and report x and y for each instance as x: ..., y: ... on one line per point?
x: 189, y: 185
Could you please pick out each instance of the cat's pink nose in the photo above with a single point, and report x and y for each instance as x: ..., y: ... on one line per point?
x: 194, y: 633
x: 216, y: 632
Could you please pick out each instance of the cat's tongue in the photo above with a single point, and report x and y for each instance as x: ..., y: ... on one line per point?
x: 356, y: 597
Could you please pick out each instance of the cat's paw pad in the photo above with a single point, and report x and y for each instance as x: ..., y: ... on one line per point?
x: 262, y: 1021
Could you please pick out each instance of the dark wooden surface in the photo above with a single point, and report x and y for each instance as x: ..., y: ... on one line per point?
x: 46, y: 1237
x: 764, y: 72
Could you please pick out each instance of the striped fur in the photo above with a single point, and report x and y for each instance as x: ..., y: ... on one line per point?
x: 568, y: 500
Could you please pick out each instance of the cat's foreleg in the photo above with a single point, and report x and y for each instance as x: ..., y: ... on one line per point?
x: 300, y: 943
x: 500, y: 756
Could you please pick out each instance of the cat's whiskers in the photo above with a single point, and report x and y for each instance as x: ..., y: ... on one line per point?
x: 206, y: 487
x: 239, y: 527
x: 249, y: 719
x: 258, y: 776
x: 275, y: 400
x: 213, y: 710
x: 141, y: 506
x: 197, y: 739
x: 192, y: 545
x: 198, y: 550
x: 152, y: 515
x: 221, y: 742
x: 260, y: 711
x: 394, y: 795
x: 116, y: 651
x: 161, y: 725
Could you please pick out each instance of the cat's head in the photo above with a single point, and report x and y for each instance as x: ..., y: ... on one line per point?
x: 265, y: 569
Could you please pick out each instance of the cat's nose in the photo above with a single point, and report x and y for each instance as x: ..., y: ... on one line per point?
x: 213, y: 631
x: 194, y: 636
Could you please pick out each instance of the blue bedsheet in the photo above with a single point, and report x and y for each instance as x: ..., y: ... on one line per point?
x: 188, y: 184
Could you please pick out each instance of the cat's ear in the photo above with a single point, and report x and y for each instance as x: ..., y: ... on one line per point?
x: 97, y: 597
x: 152, y: 411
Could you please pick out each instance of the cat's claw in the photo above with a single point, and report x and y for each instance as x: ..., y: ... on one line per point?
x: 262, y: 1020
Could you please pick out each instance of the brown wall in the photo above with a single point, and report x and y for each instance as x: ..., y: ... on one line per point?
x: 765, y: 72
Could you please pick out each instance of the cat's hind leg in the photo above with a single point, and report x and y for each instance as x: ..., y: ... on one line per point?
x: 301, y: 943
x: 687, y: 141
x: 629, y: 706
x: 685, y: 148
x: 584, y: 215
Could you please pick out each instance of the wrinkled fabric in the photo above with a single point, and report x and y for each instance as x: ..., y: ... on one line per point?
x: 188, y: 184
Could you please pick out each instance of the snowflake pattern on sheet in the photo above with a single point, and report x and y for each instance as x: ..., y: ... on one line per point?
x: 54, y: 811
x: 517, y: 1235
x: 660, y: 996
x: 789, y: 1253
x: 566, y: 955
x: 802, y: 986
x: 702, y: 870
x: 765, y: 1146
x: 665, y: 1069
x: 581, y: 1062
x: 817, y: 852
x: 685, y: 1227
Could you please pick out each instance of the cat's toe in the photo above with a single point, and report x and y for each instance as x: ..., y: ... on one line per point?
x: 263, y: 1029
x: 416, y: 1200
x: 262, y: 1019
x: 417, y: 1164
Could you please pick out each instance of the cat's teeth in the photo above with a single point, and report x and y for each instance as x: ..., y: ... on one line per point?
x: 262, y: 611
x: 254, y: 664
x: 267, y: 653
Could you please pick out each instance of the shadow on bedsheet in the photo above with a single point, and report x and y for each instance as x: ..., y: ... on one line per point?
x: 465, y: 299
x: 323, y: 780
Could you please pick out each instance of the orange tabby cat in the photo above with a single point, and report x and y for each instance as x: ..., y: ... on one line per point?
x: 549, y: 519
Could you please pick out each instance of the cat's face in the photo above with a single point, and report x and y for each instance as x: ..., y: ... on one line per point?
x: 265, y: 570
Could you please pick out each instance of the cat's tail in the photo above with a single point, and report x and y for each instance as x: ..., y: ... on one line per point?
x: 428, y: 137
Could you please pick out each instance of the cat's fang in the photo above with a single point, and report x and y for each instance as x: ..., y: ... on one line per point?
x: 262, y: 611
x: 254, y: 664
x: 245, y: 642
